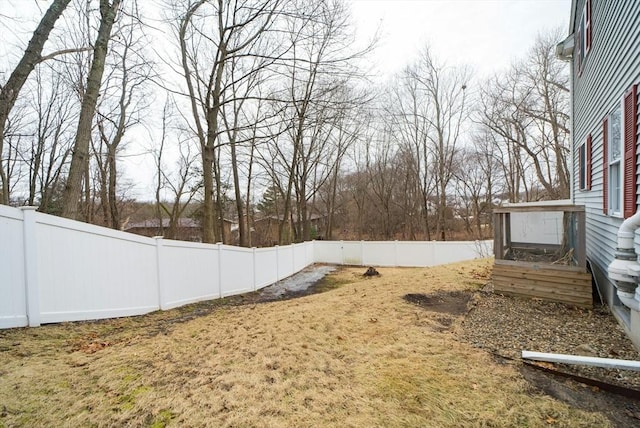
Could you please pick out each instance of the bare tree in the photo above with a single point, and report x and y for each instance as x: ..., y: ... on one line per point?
x: 473, y: 195
x: 80, y: 158
x: 323, y: 64
x: 548, y: 78
x: 409, y: 113
x: 123, y: 99
x: 10, y: 90
x: 181, y: 186
x: 50, y: 145
x: 443, y: 88
x: 526, y: 111
x: 237, y: 27
x: 347, y: 130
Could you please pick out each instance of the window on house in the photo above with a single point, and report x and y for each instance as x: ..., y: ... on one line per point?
x: 582, y: 164
x: 587, y: 26
x: 579, y: 46
x: 615, y: 172
x: 583, y: 35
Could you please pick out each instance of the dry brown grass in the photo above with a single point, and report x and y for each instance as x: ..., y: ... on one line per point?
x: 357, y: 355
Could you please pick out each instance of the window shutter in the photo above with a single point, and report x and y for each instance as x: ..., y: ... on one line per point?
x: 588, y: 162
x: 630, y: 141
x: 605, y: 166
x: 581, y: 178
x: 588, y: 28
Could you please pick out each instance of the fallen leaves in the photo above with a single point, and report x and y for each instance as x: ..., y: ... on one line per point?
x: 89, y: 344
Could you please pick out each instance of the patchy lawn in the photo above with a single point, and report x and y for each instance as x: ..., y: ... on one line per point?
x: 361, y: 354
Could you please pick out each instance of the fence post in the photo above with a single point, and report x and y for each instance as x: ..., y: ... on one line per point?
x: 314, y: 243
x: 31, y: 265
x: 341, y: 252
x: 255, y: 285
x: 293, y: 257
x: 160, y: 277
x: 395, y: 252
x: 432, y: 262
x: 219, y: 247
x: 277, y: 263
x: 362, y: 253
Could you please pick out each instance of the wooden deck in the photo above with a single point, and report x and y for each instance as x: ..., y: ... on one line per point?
x: 564, y: 284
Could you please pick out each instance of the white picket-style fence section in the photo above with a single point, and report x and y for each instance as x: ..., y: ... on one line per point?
x: 54, y: 270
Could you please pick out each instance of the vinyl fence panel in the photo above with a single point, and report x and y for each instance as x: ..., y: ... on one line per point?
x: 378, y: 253
x: 417, y: 253
x: 451, y: 252
x: 266, y: 267
x: 351, y: 253
x: 327, y: 252
x: 310, y: 253
x: 236, y: 272
x: 189, y: 272
x: 91, y: 272
x: 399, y: 253
x: 285, y: 261
x: 13, y: 302
x: 300, y: 256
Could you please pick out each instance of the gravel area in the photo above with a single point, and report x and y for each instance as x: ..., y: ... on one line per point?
x: 506, y: 326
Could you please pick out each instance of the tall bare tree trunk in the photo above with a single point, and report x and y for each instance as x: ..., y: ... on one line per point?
x: 79, y: 159
x: 113, y: 201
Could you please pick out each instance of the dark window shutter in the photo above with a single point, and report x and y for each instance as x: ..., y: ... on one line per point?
x: 588, y: 162
x: 605, y: 166
x: 630, y: 142
x: 588, y: 29
x: 582, y: 185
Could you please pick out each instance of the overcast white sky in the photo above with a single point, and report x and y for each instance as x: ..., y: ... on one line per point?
x: 486, y: 34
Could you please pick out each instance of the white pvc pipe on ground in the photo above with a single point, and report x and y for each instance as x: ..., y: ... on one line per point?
x: 609, y: 363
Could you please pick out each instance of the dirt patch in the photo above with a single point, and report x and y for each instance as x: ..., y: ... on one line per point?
x: 453, y: 302
x: 622, y: 411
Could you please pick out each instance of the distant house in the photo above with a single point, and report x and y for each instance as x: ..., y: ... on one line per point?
x: 603, y: 48
x: 266, y: 228
x: 187, y: 229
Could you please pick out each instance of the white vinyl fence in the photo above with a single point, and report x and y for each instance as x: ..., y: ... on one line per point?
x: 399, y: 253
x: 54, y: 270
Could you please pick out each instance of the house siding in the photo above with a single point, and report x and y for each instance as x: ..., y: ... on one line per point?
x: 609, y: 70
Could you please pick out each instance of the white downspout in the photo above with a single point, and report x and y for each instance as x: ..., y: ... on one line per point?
x: 624, y: 270
x: 627, y: 231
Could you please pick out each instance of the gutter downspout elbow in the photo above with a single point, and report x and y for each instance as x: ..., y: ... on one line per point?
x: 624, y: 270
x: 627, y: 231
